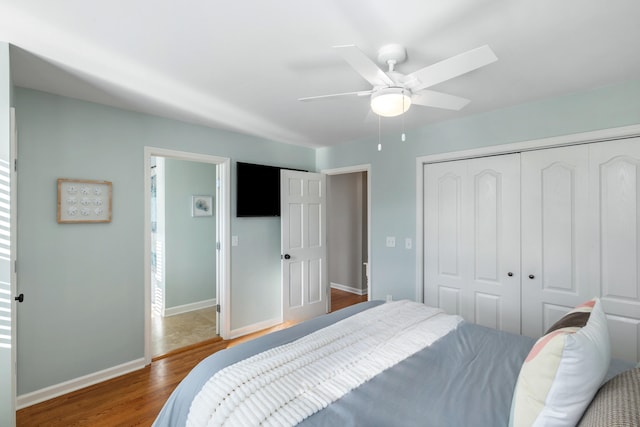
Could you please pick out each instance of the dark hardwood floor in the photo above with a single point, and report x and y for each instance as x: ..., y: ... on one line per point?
x: 342, y: 299
x: 135, y: 399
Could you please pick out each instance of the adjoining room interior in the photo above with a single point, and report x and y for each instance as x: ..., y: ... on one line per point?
x: 183, y: 258
x: 348, y: 231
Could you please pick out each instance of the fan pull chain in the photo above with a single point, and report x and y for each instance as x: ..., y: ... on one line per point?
x: 379, y: 143
x: 403, y: 137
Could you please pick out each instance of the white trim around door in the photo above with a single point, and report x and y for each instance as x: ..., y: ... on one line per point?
x: 223, y: 212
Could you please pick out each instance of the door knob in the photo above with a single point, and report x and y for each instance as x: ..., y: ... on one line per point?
x: 531, y: 276
x: 509, y: 274
x: 19, y: 298
x: 287, y: 256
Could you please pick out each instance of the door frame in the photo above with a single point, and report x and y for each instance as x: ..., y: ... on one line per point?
x: 223, y: 229
x: 493, y: 150
x: 13, y: 249
x: 355, y: 169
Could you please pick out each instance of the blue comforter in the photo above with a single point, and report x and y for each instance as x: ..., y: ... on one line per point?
x: 465, y: 378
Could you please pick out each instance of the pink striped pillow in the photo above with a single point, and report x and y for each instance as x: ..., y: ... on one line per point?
x: 563, y: 370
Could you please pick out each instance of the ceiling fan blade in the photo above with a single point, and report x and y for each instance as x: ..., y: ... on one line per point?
x: 450, y: 68
x: 430, y: 98
x: 364, y: 65
x: 336, y: 95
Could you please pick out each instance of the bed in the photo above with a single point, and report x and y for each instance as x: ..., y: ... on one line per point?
x: 465, y: 374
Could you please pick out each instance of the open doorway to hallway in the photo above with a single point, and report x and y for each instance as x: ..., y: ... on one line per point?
x: 348, y: 235
x: 183, y: 253
x: 186, y: 249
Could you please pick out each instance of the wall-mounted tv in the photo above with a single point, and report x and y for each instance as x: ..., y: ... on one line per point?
x: 257, y: 190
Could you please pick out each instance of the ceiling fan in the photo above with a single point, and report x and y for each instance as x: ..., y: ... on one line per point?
x: 393, y: 93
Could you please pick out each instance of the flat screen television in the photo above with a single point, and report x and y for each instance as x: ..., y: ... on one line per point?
x: 257, y: 190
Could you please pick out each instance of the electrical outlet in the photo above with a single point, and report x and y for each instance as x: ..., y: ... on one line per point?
x: 234, y: 240
x: 391, y: 242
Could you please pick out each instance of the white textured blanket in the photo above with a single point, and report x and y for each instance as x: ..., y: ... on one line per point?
x: 284, y: 385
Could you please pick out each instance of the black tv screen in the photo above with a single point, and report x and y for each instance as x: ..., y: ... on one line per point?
x: 257, y: 190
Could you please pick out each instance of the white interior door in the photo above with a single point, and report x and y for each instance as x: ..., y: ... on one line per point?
x: 555, y: 235
x: 304, y: 250
x: 493, y: 236
x: 445, y: 275
x: 614, y: 184
x: 472, y: 239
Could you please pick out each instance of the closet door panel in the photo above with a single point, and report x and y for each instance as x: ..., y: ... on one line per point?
x: 557, y: 220
x: 444, y: 279
x: 472, y: 239
x: 449, y: 299
x: 618, y: 185
x: 615, y: 196
x: 625, y: 337
x: 555, y: 237
x: 487, y: 214
x: 488, y: 311
x: 491, y: 203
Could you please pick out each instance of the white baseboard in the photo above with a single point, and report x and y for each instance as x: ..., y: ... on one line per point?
x: 185, y: 308
x: 235, y: 333
x: 350, y: 289
x: 56, y: 390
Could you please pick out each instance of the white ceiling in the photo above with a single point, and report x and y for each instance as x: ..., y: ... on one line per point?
x: 242, y: 65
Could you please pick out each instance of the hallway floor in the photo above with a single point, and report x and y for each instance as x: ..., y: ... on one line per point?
x: 181, y: 330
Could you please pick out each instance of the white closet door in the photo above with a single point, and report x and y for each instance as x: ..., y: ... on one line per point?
x: 445, y: 277
x: 555, y: 235
x: 472, y: 239
x: 615, y: 209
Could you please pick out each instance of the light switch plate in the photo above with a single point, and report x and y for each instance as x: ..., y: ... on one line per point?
x: 391, y: 242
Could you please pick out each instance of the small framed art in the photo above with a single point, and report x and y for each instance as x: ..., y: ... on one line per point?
x: 201, y: 206
x: 83, y: 200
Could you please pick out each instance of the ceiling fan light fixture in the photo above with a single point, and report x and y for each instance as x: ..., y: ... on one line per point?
x: 391, y: 101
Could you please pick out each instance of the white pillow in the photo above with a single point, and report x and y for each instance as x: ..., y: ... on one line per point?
x: 563, y: 372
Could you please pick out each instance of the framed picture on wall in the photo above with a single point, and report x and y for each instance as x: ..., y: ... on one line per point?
x: 201, y: 206
x: 84, y: 201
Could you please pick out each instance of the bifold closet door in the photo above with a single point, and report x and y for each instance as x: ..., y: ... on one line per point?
x: 556, y: 241
x: 472, y: 239
x: 614, y: 183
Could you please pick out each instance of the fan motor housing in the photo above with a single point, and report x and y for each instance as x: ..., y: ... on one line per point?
x: 392, y: 52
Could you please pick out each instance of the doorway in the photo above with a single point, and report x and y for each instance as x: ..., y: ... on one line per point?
x: 186, y: 200
x: 348, y: 235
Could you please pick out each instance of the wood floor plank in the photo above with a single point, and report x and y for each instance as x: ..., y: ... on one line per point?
x: 135, y: 399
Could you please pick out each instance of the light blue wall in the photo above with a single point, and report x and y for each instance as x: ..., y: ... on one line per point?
x: 190, y: 260
x: 393, y: 170
x: 84, y: 283
x: 7, y: 416
x: 258, y: 250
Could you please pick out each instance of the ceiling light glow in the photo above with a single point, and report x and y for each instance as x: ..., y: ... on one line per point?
x: 391, y: 101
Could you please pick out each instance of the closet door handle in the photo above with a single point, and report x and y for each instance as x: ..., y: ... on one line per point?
x: 531, y: 276
x: 509, y: 274
x: 287, y: 256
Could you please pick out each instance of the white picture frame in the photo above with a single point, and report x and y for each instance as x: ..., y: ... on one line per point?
x: 201, y: 205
